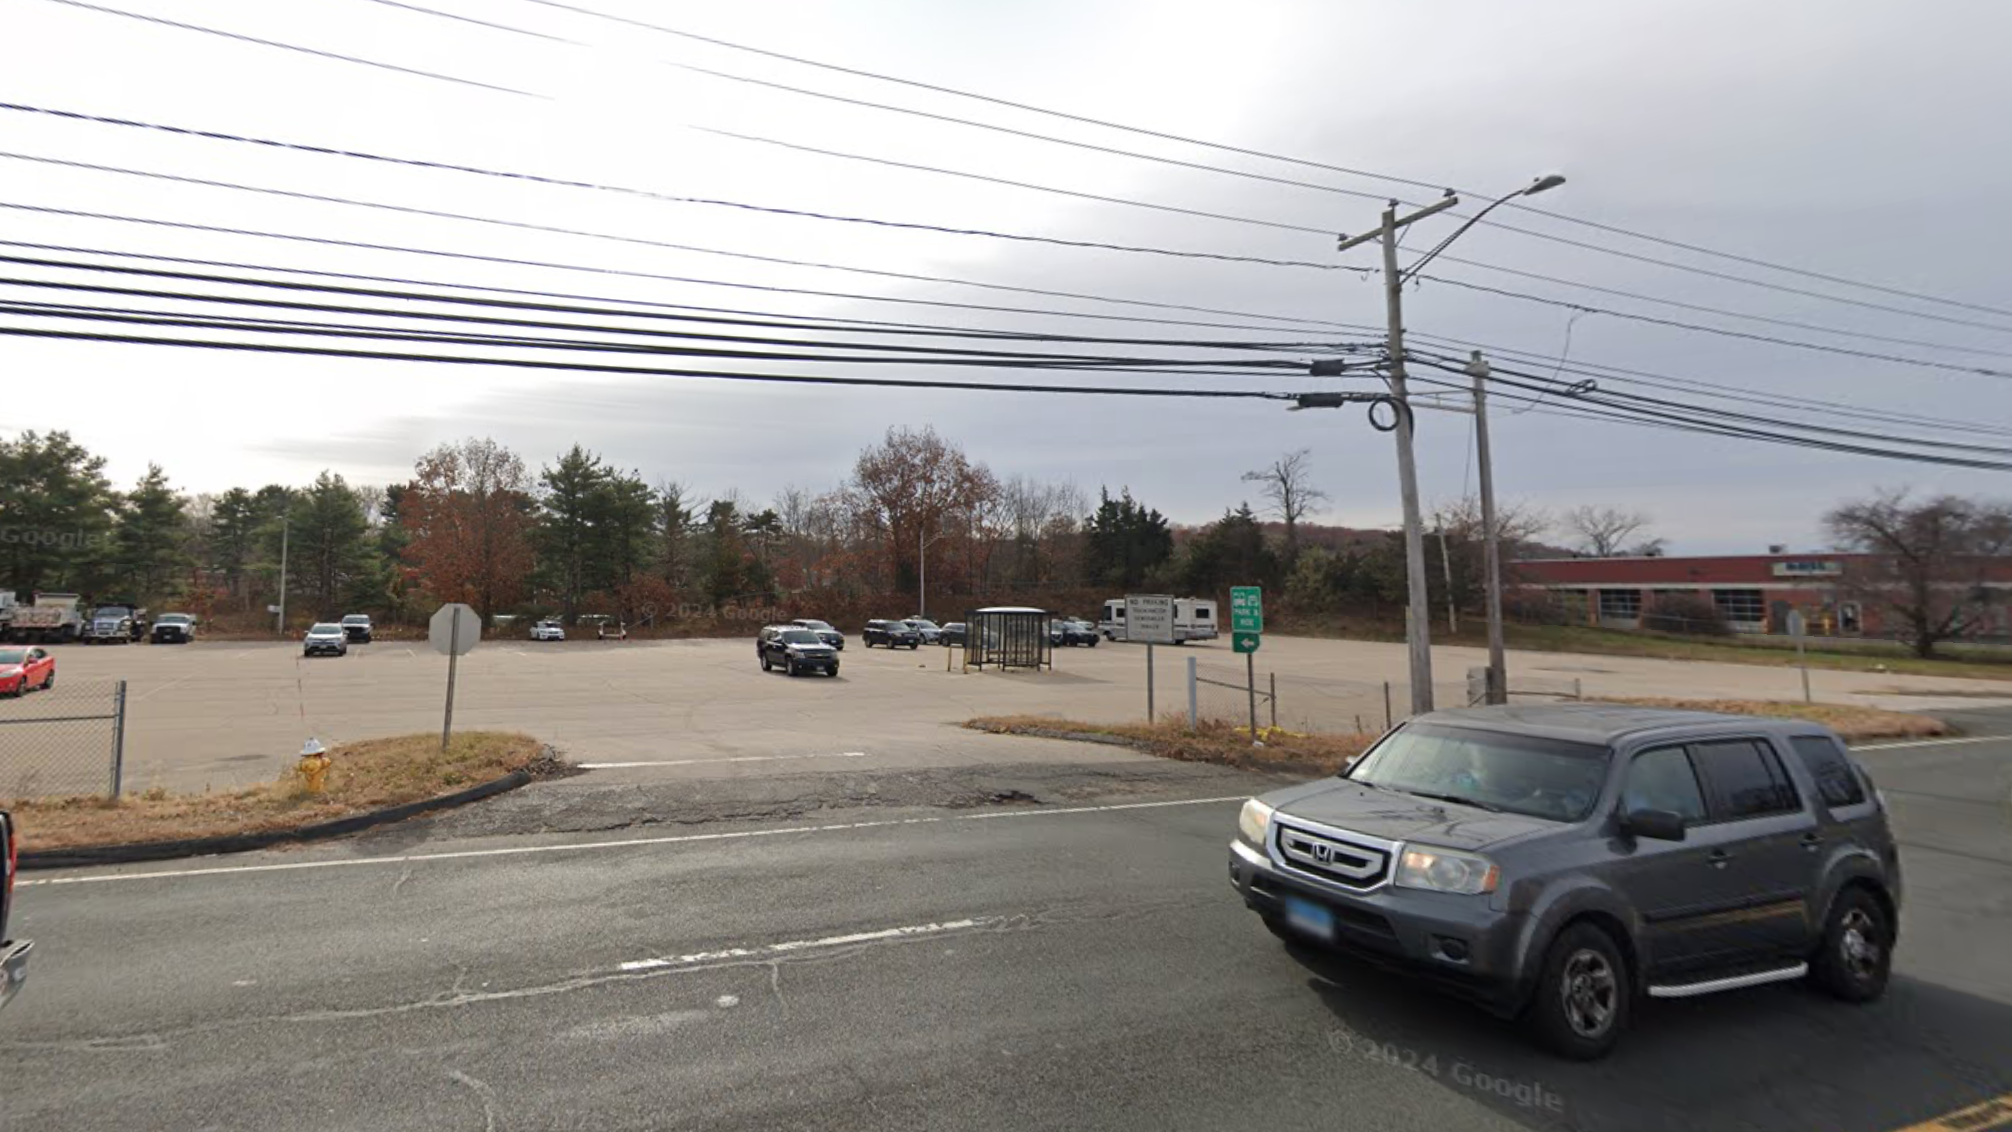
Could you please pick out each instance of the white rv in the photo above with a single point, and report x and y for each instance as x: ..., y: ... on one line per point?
x: 1194, y: 620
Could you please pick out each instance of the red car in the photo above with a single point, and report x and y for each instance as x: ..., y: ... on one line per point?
x: 22, y: 669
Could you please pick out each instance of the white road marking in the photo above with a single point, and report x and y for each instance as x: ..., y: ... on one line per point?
x: 735, y: 759
x: 798, y: 945
x: 1936, y: 742
x: 680, y: 839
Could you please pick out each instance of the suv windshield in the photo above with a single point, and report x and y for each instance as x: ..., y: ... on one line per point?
x: 356, y: 619
x: 816, y: 625
x: 1520, y: 774
x: 799, y: 637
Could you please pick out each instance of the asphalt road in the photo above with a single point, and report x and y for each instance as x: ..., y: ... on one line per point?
x: 218, y: 713
x: 928, y: 967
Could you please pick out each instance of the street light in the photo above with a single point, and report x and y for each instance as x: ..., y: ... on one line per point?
x: 1417, y: 629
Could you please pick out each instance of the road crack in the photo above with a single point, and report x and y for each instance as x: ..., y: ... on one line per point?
x: 483, y: 1093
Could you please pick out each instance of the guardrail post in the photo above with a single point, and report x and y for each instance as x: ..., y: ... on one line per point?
x: 1192, y: 713
x: 118, y: 738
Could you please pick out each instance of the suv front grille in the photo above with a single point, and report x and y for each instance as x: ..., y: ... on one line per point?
x: 1352, y: 863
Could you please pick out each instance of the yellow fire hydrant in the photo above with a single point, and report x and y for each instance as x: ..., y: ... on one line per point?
x: 313, y: 766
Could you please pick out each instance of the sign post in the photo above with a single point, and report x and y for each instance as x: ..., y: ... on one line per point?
x: 1796, y: 629
x: 1149, y: 618
x: 454, y: 630
x: 1246, y: 630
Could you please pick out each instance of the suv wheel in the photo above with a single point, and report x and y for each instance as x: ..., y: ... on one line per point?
x: 765, y: 665
x: 1857, y: 949
x: 1583, y: 995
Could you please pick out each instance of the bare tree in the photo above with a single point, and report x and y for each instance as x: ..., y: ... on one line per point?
x: 1604, y: 531
x: 1287, y: 487
x: 1932, y: 559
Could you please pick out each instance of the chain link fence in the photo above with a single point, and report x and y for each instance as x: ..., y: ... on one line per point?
x: 1300, y: 701
x: 66, y: 739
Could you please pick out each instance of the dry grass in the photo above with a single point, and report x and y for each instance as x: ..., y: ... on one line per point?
x: 1855, y: 724
x: 1215, y: 741
x: 365, y: 776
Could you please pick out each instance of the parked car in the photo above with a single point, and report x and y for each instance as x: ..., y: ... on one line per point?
x: 604, y: 631
x: 825, y: 631
x: 356, y: 626
x: 25, y: 667
x: 794, y: 649
x: 1557, y: 863
x: 173, y: 629
x: 927, y: 628
x: 891, y: 634
x: 325, y: 637
x: 953, y: 634
x: 548, y: 630
x: 13, y: 952
x: 1076, y: 631
x: 115, y: 623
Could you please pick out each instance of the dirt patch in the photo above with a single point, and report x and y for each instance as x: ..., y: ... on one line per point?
x: 1219, y: 742
x: 1856, y: 724
x: 364, y: 776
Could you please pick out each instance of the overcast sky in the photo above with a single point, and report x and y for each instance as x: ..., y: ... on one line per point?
x: 1856, y: 139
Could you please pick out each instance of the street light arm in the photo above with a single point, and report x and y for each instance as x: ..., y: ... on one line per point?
x: 1550, y: 181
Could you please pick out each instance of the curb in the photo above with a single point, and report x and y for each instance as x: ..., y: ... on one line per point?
x: 82, y: 855
x: 1285, y: 769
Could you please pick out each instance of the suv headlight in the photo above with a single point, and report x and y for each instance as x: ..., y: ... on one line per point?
x: 1446, y: 870
x: 1254, y: 821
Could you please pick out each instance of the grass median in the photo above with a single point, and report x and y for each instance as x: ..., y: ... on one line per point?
x: 363, y: 776
x: 1212, y: 741
x: 1318, y: 753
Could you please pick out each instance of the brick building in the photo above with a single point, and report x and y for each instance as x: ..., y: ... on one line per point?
x: 1753, y: 592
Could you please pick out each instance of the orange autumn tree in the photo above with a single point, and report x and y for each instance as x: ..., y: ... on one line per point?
x: 468, y: 516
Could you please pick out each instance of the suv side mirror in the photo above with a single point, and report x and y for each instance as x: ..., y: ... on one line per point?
x: 1661, y: 825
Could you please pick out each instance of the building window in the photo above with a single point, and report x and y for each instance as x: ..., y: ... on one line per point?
x: 1620, y: 605
x: 1741, y: 607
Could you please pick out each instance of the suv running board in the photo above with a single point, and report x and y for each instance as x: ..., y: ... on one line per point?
x: 1730, y: 982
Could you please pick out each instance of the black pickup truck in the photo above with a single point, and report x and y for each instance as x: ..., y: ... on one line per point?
x: 14, y: 952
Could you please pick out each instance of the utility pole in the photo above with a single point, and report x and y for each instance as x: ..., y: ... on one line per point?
x: 1418, y: 628
x: 922, y: 546
x: 1452, y: 606
x: 285, y: 523
x: 1498, y: 669
x: 1417, y: 619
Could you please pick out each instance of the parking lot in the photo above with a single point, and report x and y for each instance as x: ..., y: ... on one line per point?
x: 219, y: 713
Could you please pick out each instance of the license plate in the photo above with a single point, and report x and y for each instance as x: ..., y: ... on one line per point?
x: 1309, y: 918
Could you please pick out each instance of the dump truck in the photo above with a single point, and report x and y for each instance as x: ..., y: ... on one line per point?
x: 52, y: 618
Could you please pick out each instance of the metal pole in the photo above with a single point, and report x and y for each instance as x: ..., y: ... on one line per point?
x: 921, y: 576
x: 1386, y: 705
x: 1498, y: 667
x: 1193, y: 713
x: 1418, y: 627
x: 1250, y: 683
x: 453, y: 655
x: 1452, y: 609
x: 1795, y: 622
x: 285, y: 524
x: 118, y: 738
x: 1274, y: 701
x: 1149, y: 682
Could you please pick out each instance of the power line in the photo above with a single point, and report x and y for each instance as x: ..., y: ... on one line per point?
x: 694, y: 280
x: 305, y: 147
x: 1724, y: 331
x: 1304, y: 163
x: 529, y: 226
x: 587, y: 367
x: 705, y: 314
x: 921, y: 355
x: 476, y: 22
x: 296, y: 47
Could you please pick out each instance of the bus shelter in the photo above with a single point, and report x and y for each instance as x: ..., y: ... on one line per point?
x: 1008, y: 636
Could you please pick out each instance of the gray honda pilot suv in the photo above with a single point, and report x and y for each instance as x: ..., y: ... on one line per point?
x: 1557, y: 862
